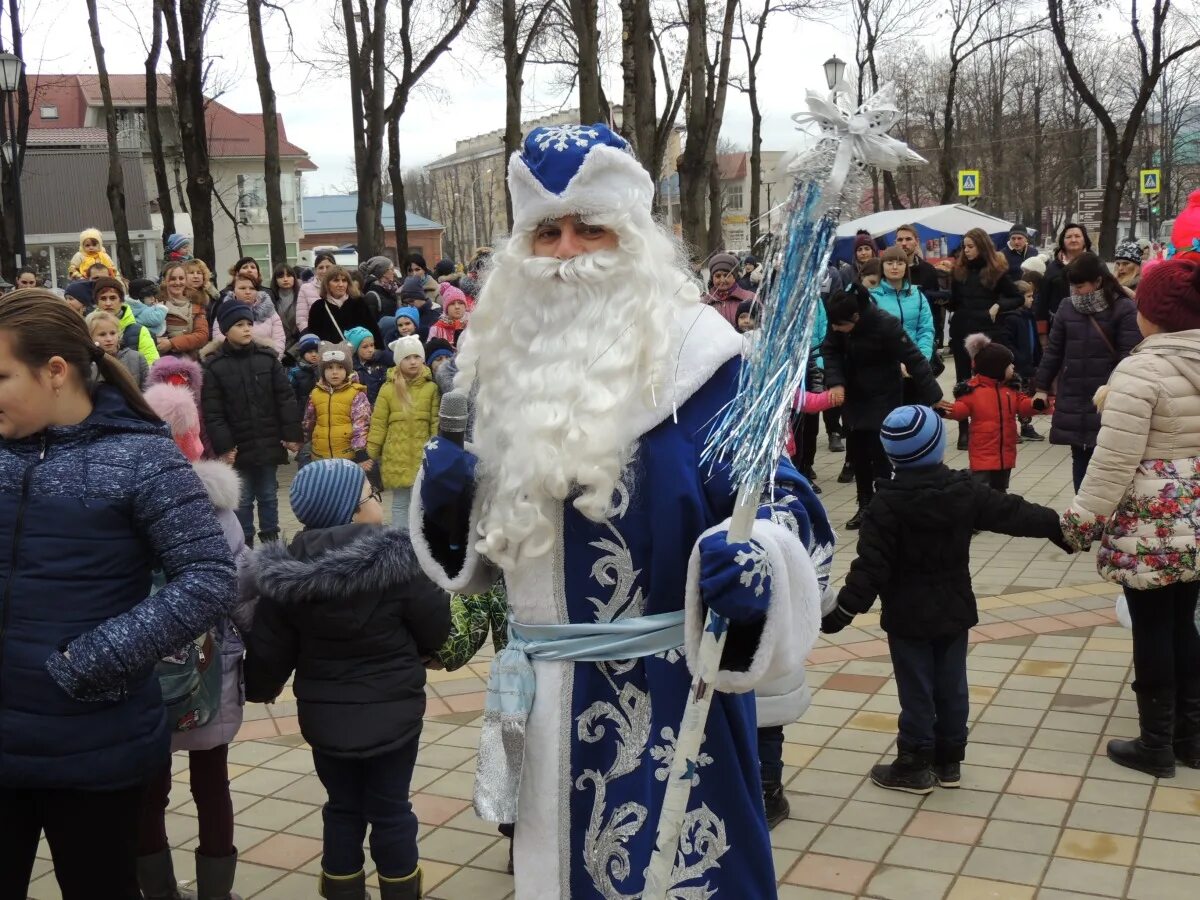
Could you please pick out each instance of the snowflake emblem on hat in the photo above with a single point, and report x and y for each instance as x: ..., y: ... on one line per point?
x: 560, y: 136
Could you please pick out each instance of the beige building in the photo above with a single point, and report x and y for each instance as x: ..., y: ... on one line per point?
x: 735, y: 196
x: 466, y: 188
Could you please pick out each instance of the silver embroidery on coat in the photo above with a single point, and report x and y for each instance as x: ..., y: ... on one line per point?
x: 665, y: 755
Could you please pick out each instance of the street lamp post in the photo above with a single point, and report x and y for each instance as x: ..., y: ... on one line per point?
x: 11, y: 67
x: 834, y: 69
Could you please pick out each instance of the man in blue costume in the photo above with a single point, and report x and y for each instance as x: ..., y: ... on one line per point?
x: 596, y: 373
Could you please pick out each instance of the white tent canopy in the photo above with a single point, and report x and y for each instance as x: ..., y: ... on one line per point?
x: 953, y: 218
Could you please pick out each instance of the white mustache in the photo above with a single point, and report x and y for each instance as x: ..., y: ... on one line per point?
x: 587, y: 267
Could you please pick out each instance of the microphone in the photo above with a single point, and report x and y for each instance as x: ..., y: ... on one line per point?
x: 452, y: 417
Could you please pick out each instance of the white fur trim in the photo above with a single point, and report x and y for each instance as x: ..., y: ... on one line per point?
x: 221, y: 481
x: 700, y: 342
x: 783, y: 701
x: 477, y: 574
x: 608, y: 181
x: 793, y: 614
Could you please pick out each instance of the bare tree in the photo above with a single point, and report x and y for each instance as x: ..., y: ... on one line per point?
x: 707, y: 77
x: 158, y: 162
x: 12, y: 235
x: 271, y: 173
x: 116, y: 175
x: 185, y: 43
x: 367, y: 96
x: 522, y: 26
x: 1153, y: 58
x: 418, y: 53
x: 583, y: 17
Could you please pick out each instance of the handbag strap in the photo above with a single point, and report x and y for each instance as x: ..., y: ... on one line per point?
x: 1104, y: 337
x: 333, y: 319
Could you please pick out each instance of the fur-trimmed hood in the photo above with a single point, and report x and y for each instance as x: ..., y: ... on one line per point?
x: 210, y: 349
x: 329, y: 563
x: 221, y: 481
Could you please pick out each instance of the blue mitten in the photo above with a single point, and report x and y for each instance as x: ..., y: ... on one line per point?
x: 449, y: 474
x: 735, y: 579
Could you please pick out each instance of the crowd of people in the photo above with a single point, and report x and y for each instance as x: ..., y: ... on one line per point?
x: 185, y: 605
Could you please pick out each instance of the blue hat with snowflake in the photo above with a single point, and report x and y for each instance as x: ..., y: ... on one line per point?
x: 567, y: 170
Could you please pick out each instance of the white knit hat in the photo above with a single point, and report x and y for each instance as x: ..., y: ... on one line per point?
x: 1035, y: 264
x: 409, y: 345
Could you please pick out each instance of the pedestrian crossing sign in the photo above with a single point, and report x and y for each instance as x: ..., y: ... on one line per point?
x: 1151, y: 178
x: 968, y: 183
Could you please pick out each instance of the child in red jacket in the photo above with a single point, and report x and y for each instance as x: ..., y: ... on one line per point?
x: 992, y: 408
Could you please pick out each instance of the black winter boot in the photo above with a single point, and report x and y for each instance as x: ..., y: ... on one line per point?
x: 855, y: 520
x: 156, y: 878
x: 909, y: 772
x: 775, y: 802
x: 214, y: 877
x: 1187, y: 725
x: 964, y: 435
x: 1152, y: 752
x: 947, y: 765
x: 344, y: 887
x: 846, y: 475
x: 406, y: 888
x: 836, y: 443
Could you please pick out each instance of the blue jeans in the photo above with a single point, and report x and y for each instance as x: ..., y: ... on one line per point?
x: 770, y: 753
x: 401, y: 501
x: 931, y: 679
x: 1080, y: 457
x: 259, y: 484
x: 371, y: 791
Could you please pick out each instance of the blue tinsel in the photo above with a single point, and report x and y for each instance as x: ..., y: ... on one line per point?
x: 750, y: 432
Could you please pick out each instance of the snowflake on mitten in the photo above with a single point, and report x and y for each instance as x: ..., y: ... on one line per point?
x: 756, y: 567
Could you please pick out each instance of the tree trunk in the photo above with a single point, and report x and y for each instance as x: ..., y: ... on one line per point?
x: 166, y: 208
x: 639, y: 114
x: 398, y: 202
x: 116, y: 176
x: 270, y: 121
x: 716, y: 210
x: 592, y: 107
x: 185, y: 42
x: 367, y: 106
x: 946, y: 157
x: 514, y: 83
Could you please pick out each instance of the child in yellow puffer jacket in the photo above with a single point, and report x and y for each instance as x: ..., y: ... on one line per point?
x: 338, y: 413
x: 405, y: 418
x: 91, y: 251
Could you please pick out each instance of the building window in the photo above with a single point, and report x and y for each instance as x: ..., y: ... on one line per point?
x: 732, y: 196
x: 48, y: 111
x: 262, y: 256
x: 252, y: 200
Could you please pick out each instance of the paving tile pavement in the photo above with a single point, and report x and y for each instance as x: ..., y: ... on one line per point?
x: 1041, y: 813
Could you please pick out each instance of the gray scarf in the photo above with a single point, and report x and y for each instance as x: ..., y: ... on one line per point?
x: 1090, y: 304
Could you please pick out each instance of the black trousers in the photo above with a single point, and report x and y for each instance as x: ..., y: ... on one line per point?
x: 1166, y: 650
x: 995, y: 478
x: 864, y: 454
x: 931, y: 680
x: 806, y: 429
x: 93, y: 838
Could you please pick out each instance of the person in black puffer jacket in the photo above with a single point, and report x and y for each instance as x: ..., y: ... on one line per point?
x: 348, y: 608
x: 251, y: 415
x: 94, y: 495
x: 863, y: 353
x: 914, y: 554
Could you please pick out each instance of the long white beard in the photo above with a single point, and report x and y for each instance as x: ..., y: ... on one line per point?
x: 562, y: 352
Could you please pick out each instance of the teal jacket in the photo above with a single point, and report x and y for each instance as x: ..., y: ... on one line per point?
x: 912, y: 309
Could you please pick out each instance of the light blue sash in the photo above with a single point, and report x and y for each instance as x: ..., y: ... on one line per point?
x: 511, y: 684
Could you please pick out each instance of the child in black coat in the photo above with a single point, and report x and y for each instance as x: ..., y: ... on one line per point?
x: 914, y: 554
x: 347, y: 607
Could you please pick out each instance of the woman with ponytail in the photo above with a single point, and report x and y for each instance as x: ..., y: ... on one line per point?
x: 93, y: 496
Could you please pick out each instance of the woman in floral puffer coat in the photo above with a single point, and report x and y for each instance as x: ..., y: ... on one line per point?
x: 1141, y: 498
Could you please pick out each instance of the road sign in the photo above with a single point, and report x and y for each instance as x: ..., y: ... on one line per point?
x: 968, y: 183
x: 1151, y: 179
x: 1089, y: 205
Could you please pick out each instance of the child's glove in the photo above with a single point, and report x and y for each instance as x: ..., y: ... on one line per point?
x: 735, y: 579
x: 449, y: 473
x: 835, y: 620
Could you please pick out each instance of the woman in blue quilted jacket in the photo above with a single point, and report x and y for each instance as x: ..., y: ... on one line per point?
x: 94, y: 494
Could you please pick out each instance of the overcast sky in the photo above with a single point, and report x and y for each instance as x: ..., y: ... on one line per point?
x: 470, y: 86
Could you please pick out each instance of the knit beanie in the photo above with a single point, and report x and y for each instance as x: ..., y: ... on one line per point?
x: 721, y: 262
x: 177, y: 242
x: 410, y: 312
x: 409, y: 345
x: 436, y: 348
x: 141, y: 288
x: 753, y: 307
x: 442, y: 268
x: 1169, y: 293
x: 469, y: 286
x: 307, y: 342
x: 1035, y: 264
x: 356, y: 335
x: 1130, y: 251
x: 232, y: 313
x: 913, y: 436
x: 336, y: 354
x: 993, y: 360
x: 1020, y: 229
x: 107, y: 284
x: 450, y: 294
x: 1185, y: 233
x: 325, y: 493
x: 376, y: 266
x: 413, y: 288
x: 864, y: 240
